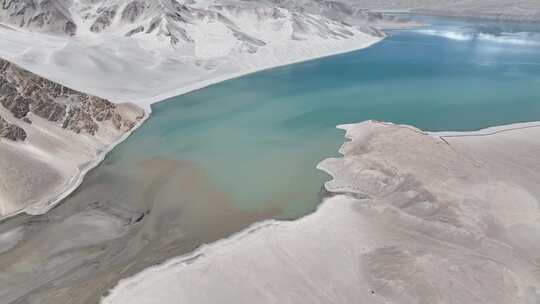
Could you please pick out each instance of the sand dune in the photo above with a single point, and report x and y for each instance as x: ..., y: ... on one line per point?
x: 205, y: 44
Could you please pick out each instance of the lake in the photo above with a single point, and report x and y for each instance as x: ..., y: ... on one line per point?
x: 259, y: 137
x: 209, y: 163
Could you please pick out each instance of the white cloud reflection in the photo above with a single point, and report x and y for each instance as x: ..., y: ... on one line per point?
x: 454, y: 35
x: 518, y: 38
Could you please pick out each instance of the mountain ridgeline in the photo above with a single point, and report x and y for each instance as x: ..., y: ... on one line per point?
x: 173, y: 19
x: 24, y: 94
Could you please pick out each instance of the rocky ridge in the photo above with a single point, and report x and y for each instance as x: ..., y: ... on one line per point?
x: 11, y: 131
x: 175, y: 19
x: 25, y: 94
x: 172, y: 19
x: 51, y: 15
x: 135, y: 44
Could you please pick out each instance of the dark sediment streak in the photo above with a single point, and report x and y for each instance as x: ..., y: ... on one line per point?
x: 103, y: 232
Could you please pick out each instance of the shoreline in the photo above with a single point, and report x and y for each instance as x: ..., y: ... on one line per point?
x: 76, y: 181
x: 73, y: 184
x: 146, y: 104
x: 487, y: 17
x: 208, y: 250
x: 492, y: 130
x: 205, y: 251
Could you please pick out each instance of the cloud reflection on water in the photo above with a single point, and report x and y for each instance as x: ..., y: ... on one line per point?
x: 516, y: 38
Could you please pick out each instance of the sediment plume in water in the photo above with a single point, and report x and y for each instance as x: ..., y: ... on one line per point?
x: 102, y: 234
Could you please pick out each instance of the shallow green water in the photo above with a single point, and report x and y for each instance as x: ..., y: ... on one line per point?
x: 259, y: 138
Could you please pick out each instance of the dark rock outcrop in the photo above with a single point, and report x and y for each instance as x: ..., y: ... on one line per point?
x: 133, y: 11
x: 104, y: 20
x: 156, y: 21
x: 78, y: 120
x: 134, y: 31
x: 11, y: 131
x: 49, y: 110
x: 51, y: 16
x: 22, y: 92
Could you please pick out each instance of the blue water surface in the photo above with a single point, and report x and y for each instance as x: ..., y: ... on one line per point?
x: 260, y: 137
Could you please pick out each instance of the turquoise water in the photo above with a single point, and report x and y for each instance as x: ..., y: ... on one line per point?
x: 209, y: 163
x: 258, y: 138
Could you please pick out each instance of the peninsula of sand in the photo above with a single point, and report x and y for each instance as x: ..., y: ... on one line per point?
x: 442, y: 217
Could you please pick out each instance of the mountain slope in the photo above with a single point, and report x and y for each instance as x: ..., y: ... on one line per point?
x: 167, y: 17
x: 151, y: 50
x: 49, y: 135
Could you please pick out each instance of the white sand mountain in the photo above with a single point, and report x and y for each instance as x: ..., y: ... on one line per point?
x: 142, y: 50
x: 165, y: 17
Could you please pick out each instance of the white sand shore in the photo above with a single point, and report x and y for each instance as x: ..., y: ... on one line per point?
x: 74, y: 179
x: 330, y: 51
x: 414, y: 219
x: 147, y: 69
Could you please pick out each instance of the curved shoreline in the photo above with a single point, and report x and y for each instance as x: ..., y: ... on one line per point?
x: 145, y: 103
x: 252, y: 228
x: 76, y: 180
x: 264, y: 228
x: 51, y: 202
